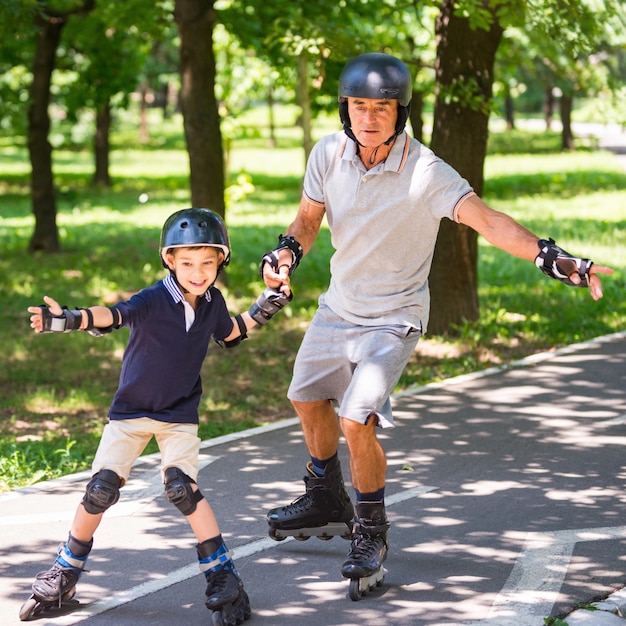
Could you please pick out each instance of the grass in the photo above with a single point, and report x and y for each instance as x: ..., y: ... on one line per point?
x: 55, y: 389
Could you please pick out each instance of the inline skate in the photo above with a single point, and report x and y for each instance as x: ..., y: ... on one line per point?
x: 55, y: 587
x: 323, y: 511
x: 226, y: 598
x: 368, y: 550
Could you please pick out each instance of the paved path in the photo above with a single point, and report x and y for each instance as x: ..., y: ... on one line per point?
x: 505, y: 492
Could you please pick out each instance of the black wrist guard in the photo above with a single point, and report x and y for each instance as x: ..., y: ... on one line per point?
x: 271, y: 257
x: 100, y: 332
x: 64, y: 323
x: 267, y: 304
x: 555, y: 262
x: 243, y: 334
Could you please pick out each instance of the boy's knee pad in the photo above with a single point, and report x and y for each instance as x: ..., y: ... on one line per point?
x: 179, y: 492
x: 102, y: 492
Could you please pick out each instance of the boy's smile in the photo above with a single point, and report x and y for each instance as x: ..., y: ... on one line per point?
x: 195, y: 267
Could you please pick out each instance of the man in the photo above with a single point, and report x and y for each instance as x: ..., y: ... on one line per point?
x: 384, y: 195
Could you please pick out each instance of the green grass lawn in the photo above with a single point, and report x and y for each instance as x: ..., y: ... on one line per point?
x: 55, y: 389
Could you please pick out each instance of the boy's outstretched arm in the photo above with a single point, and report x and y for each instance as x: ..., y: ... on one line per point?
x: 51, y: 317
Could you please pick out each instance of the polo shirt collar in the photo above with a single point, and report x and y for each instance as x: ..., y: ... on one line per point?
x: 393, y: 163
x: 174, y: 289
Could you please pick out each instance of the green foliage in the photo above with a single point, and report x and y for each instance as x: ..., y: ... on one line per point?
x: 29, y: 462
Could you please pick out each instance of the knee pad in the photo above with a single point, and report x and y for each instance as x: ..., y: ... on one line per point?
x: 179, y: 492
x: 102, y: 492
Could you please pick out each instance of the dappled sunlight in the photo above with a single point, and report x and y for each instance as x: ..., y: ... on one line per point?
x: 440, y: 521
x: 488, y: 553
x: 489, y: 487
x: 585, y: 496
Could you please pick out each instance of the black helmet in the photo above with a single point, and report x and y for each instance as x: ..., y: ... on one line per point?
x: 194, y: 227
x: 376, y: 76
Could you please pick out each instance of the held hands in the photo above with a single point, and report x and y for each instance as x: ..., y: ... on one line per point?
x: 278, y: 278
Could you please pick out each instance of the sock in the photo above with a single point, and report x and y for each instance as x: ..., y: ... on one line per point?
x: 319, y: 466
x: 373, y: 496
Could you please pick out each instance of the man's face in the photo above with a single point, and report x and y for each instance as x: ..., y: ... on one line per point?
x: 373, y: 121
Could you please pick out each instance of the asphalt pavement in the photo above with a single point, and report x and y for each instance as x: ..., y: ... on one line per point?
x: 505, y: 493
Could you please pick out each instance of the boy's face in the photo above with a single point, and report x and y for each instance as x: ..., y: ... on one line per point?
x: 195, y: 268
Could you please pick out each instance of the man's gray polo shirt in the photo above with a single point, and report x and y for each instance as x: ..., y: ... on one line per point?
x: 384, y: 225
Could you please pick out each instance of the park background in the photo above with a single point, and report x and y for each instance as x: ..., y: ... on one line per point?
x: 150, y: 107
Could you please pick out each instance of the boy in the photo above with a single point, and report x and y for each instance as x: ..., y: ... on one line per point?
x: 171, y: 324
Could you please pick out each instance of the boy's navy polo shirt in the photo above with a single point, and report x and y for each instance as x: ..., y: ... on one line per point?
x: 160, y: 375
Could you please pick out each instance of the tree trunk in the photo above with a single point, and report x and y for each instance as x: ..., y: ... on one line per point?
x: 509, y: 110
x: 416, y: 115
x: 144, y: 128
x: 465, y: 60
x: 101, y: 177
x: 270, y: 108
x: 196, y: 20
x: 548, y: 107
x: 304, y: 100
x: 567, y: 136
x: 45, y: 237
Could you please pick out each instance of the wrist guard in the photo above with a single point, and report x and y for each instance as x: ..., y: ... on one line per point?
x: 284, y: 242
x: 64, y: 323
x: 100, y: 332
x: 243, y: 334
x: 267, y: 304
x: 70, y: 320
x: 555, y: 262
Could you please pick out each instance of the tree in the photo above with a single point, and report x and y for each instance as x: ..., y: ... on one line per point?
x: 468, y: 36
x: 107, y: 52
x: 50, y: 23
x: 196, y: 20
x: 464, y: 69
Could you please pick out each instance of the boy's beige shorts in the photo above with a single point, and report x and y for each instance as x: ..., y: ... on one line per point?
x: 123, y: 441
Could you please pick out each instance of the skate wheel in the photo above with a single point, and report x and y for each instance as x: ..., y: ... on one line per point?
x: 355, y: 589
x: 301, y: 537
x: 276, y: 537
x: 28, y: 609
x: 325, y: 537
x: 216, y: 619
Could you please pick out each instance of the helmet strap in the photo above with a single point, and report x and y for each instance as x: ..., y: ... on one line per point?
x: 173, y: 273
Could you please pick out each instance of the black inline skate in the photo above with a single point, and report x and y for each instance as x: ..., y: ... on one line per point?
x: 55, y: 587
x: 323, y: 511
x: 226, y: 597
x: 368, y: 550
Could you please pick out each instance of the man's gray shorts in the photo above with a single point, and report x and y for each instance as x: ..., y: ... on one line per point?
x: 356, y: 367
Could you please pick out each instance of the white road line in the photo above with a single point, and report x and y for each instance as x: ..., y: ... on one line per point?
x: 537, y: 576
x: 526, y: 579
